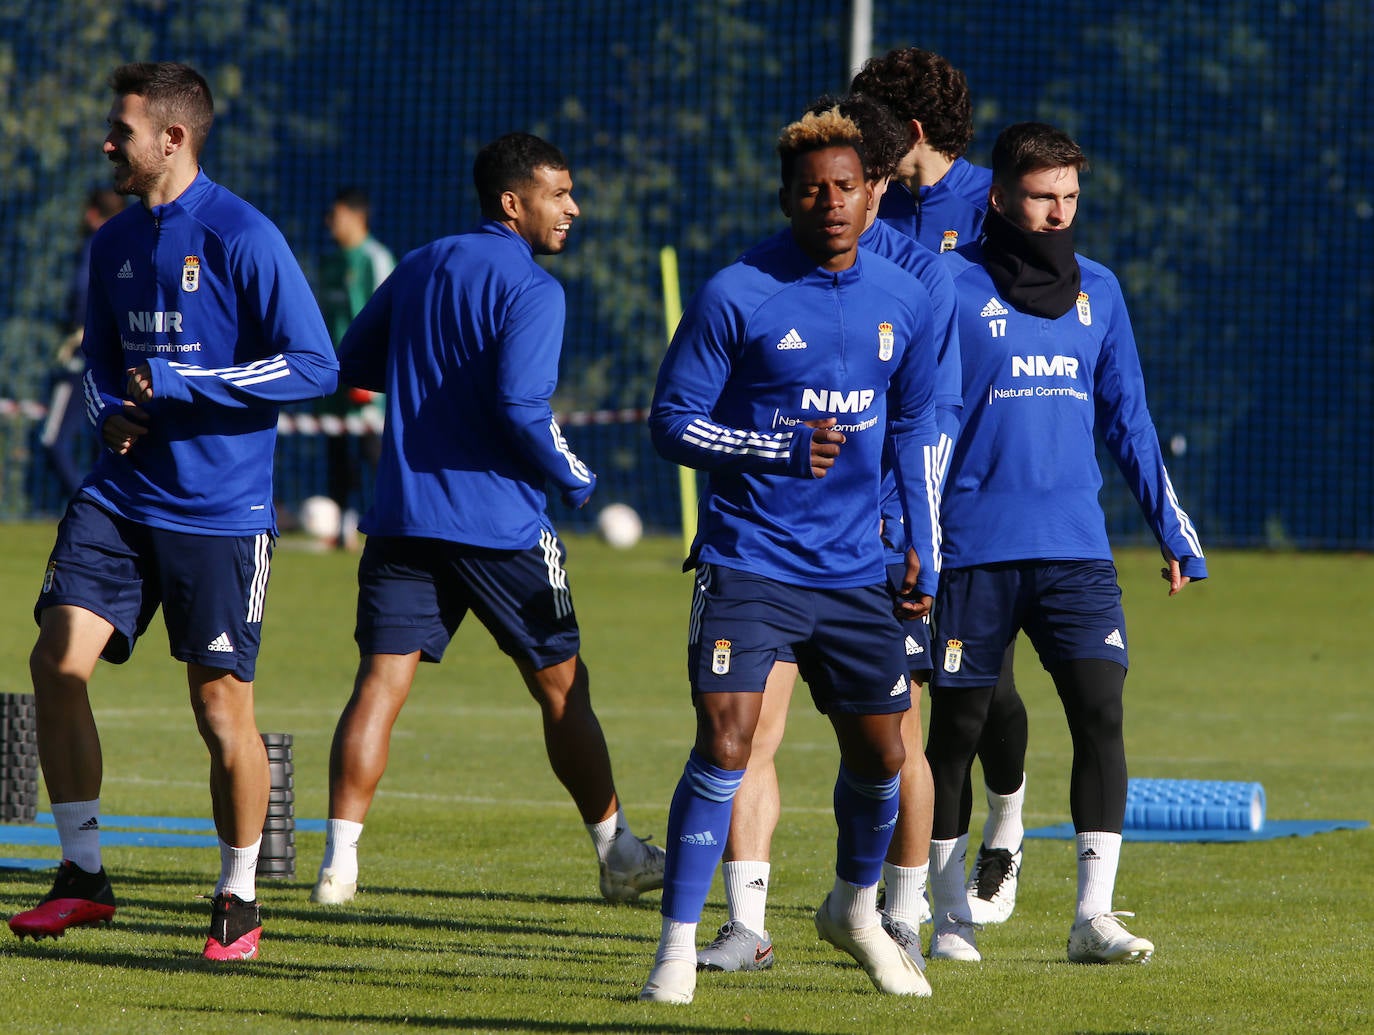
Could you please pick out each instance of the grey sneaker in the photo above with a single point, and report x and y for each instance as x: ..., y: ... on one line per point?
x: 634, y: 866
x: 737, y: 948
x: 1104, y: 939
x: 907, y: 937
x: 992, y: 885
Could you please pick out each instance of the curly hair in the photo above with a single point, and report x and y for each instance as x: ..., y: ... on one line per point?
x: 917, y: 84
x: 508, y: 162
x: 885, y: 138
x: 815, y: 132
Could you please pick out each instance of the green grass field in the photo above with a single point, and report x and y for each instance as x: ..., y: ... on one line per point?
x: 479, y: 909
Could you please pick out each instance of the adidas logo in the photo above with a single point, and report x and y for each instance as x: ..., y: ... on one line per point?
x: 757, y: 884
x: 1115, y: 640
x: 994, y: 308
x: 221, y: 644
x: 791, y: 340
x: 91, y: 824
x: 705, y: 839
x: 912, y: 647
x: 1087, y: 855
x: 898, y: 688
x: 126, y: 272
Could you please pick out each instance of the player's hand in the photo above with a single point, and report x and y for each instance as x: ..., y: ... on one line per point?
x: 825, y: 445
x: 121, y: 430
x: 909, y: 605
x: 1174, y: 577
x: 139, y: 387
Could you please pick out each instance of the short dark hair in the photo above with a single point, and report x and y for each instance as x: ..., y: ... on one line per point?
x: 175, y: 93
x: 354, y: 198
x: 105, y: 200
x: 918, y: 84
x: 1028, y: 147
x: 508, y: 162
x: 816, y: 132
x: 885, y: 138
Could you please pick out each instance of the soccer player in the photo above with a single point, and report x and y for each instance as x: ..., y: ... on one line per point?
x: 789, y: 372
x: 939, y: 198
x: 348, y: 277
x: 200, y: 325
x: 464, y: 338
x: 743, y: 942
x: 1049, y: 358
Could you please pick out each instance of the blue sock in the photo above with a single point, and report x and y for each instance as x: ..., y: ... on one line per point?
x: 866, y: 814
x: 698, y: 821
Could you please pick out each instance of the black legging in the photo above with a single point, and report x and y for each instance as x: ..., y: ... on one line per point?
x: 1091, y: 692
x: 1002, y: 746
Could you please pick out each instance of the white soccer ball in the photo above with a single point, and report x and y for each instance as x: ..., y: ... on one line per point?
x: 619, y: 526
x: 320, y: 517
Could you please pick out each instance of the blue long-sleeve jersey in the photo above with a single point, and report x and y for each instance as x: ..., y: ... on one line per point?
x: 205, y: 290
x: 943, y: 215
x: 1023, y: 483
x: 771, y: 342
x: 464, y: 338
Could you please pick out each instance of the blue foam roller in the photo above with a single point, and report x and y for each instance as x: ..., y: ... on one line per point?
x: 1194, y: 805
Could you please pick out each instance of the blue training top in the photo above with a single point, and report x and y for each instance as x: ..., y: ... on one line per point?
x: 775, y: 340
x: 206, y: 291
x: 945, y: 215
x: 464, y: 338
x: 1023, y: 483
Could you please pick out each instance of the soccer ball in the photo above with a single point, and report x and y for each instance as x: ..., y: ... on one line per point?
x: 619, y: 526
x: 320, y: 517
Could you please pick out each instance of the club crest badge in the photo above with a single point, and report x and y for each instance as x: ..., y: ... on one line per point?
x: 190, y: 274
x: 720, y: 658
x: 954, y: 655
x: 886, y: 340
x: 1085, y: 313
x: 949, y: 241
x: 48, y: 576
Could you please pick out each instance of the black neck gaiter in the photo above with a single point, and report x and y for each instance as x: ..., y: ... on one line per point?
x: 1034, y: 271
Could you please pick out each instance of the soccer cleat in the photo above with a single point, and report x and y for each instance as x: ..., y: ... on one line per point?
x: 671, y: 981
x: 954, y: 939
x: 992, y: 886
x: 331, y: 891
x: 907, y: 937
x: 737, y: 948
x: 889, y: 968
x: 77, y: 899
x: 624, y: 875
x: 1104, y: 939
x: 235, y: 929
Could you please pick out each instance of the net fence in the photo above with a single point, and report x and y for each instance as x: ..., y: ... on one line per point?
x: 1231, y: 189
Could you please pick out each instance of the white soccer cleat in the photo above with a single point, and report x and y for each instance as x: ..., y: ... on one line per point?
x: 331, y: 891
x: 884, y: 961
x: 1104, y: 939
x: 671, y: 981
x: 992, y: 886
x: 954, y: 939
x: 634, y: 866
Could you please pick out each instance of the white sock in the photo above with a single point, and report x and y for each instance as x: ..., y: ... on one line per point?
x: 853, y: 905
x: 948, y: 879
x: 1003, y: 827
x: 238, y: 870
x: 677, y: 941
x: 341, y: 849
x: 905, y: 889
x: 1099, y: 851
x: 78, y: 828
x: 605, y: 834
x: 746, y: 892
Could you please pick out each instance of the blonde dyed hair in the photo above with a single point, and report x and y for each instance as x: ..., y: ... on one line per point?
x: 816, y: 131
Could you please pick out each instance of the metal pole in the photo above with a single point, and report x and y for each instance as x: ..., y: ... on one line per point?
x: 860, y: 35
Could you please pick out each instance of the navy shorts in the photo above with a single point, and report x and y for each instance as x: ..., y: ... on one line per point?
x: 846, y: 642
x: 1070, y: 611
x: 915, y: 631
x: 211, y: 589
x: 414, y: 593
